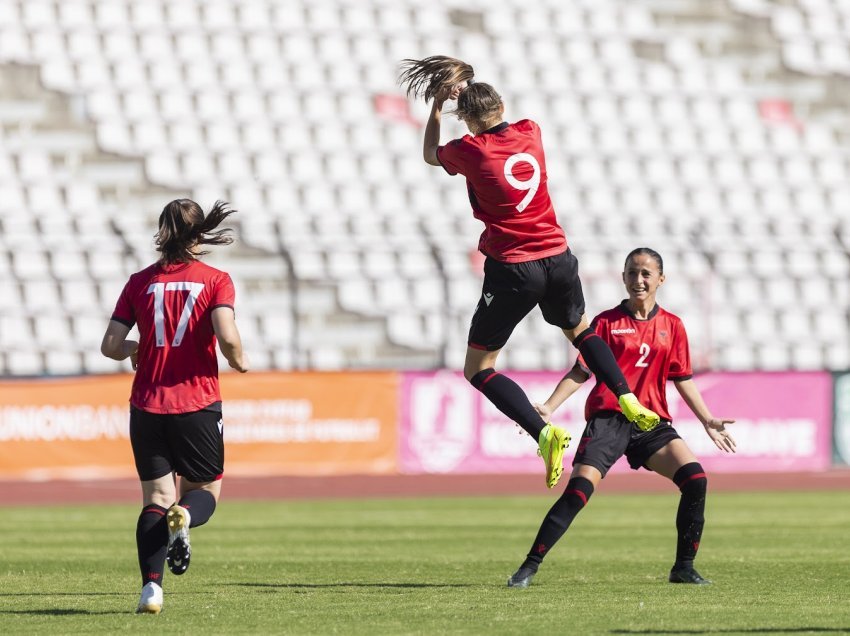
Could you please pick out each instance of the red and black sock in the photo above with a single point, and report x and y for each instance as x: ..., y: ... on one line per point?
x: 151, y: 543
x: 599, y: 359
x: 690, y: 518
x: 201, y: 506
x: 510, y: 399
x: 558, y: 519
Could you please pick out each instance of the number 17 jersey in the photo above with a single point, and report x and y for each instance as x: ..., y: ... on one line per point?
x: 505, y: 170
x: 172, y: 305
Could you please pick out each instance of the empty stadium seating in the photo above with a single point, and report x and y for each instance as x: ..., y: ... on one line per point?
x: 352, y: 251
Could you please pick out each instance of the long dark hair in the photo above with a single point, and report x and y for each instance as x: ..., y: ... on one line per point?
x: 425, y: 78
x: 182, y: 226
x: 647, y: 251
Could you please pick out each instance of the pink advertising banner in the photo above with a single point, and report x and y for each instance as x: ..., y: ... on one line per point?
x: 783, y: 423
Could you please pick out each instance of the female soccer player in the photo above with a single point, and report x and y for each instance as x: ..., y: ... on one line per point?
x: 181, y: 306
x: 528, y: 261
x: 651, y: 344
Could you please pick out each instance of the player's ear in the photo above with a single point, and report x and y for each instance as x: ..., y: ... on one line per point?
x: 661, y: 279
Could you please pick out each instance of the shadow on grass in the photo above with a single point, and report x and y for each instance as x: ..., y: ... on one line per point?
x: 57, y: 612
x: 327, y: 585
x: 749, y: 630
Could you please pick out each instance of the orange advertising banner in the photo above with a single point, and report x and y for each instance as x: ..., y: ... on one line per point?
x: 305, y: 423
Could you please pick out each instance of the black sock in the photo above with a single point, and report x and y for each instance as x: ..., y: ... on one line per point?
x: 558, y: 519
x: 599, y: 359
x: 690, y: 518
x: 200, y: 504
x: 510, y: 399
x: 151, y: 542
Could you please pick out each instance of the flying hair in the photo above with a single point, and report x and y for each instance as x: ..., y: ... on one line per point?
x: 426, y: 77
x: 183, y: 226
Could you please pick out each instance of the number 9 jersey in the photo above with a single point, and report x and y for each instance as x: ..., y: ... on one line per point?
x: 505, y: 171
x: 177, y: 368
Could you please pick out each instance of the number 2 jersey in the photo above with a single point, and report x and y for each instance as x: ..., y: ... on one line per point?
x: 649, y: 352
x: 505, y: 171
x: 172, y: 304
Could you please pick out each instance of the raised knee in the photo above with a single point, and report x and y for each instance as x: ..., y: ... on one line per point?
x: 479, y: 378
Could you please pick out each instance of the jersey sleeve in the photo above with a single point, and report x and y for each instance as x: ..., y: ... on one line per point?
x: 124, y: 311
x: 224, y: 293
x: 680, y: 355
x: 452, y: 157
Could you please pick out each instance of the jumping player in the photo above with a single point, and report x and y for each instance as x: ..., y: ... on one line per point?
x: 181, y: 306
x: 528, y: 262
x: 651, y: 344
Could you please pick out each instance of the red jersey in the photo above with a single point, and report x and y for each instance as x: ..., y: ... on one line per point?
x: 172, y: 304
x: 649, y: 352
x: 505, y: 171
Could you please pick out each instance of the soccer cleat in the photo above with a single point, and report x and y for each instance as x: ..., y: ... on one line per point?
x: 553, y: 440
x: 179, y: 551
x: 151, y: 600
x: 687, y: 575
x: 522, y: 577
x: 637, y: 413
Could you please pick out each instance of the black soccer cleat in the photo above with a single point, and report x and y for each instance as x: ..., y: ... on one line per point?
x: 522, y: 577
x: 687, y: 575
x: 179, y: 550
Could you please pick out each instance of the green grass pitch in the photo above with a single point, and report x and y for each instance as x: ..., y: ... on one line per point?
x: 780, y: 563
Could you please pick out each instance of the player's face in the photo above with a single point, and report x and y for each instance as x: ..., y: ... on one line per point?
x: 642, y: 277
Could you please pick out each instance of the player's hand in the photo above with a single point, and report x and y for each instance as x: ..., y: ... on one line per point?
x: 131, y: 350
x: 544, y: 411
x: 449, y: 92
x: 240, y: 365
x: 716, y: 429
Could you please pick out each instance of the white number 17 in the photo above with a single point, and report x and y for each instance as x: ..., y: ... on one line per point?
x: 531, y: 184
x: 158, y: 290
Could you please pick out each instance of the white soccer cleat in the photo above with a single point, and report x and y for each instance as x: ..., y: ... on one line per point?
x: 179, y: 551
x: 151, y: 600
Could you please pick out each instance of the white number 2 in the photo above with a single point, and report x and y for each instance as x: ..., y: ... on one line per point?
x: 158, y: 290
x: 531, y: 184
x: 644, y: 354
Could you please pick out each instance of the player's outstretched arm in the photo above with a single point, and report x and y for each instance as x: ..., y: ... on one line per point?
x: 715, y: 427
x: 229, y: 341
x: 568, y: 385
x: 115, y: 344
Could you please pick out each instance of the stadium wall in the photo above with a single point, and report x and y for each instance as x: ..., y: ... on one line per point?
x: 416, y: 423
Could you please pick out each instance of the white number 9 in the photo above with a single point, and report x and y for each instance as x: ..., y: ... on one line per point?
x: 531, y: 185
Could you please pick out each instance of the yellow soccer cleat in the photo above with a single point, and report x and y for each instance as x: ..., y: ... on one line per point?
x: 553, y: 440
x: 637, y: 413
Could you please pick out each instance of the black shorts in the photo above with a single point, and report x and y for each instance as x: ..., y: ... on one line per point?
x: 511, y: 290
x: 609, y: 435
x: 190, y: 444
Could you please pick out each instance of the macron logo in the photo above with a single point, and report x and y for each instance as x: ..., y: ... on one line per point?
x: 616, y: 332
x: 488, y: 298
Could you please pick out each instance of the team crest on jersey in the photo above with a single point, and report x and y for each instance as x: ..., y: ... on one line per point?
x: 663, y: 334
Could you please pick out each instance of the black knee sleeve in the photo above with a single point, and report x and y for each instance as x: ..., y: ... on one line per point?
x: 691, y: 479
x: 581, y: 489
x: 481, y: 377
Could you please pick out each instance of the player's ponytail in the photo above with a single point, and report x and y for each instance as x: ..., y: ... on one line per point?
x: 426, y: 77
x: 183, y: 226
